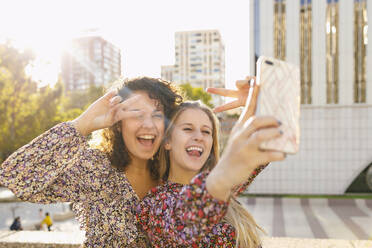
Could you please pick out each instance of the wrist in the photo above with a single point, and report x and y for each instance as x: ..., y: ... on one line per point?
x: 78, y: 124
x: 217, y: 186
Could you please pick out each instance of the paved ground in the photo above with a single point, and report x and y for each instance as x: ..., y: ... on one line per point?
x: 29, y: 213
x: 280, y: 217
x: 73, y: 239
x: 313, y: 218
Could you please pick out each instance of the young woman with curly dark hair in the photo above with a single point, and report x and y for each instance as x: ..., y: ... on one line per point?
x: 105, y: 183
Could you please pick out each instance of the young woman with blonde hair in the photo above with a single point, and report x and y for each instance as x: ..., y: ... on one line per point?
x: 205, y: 212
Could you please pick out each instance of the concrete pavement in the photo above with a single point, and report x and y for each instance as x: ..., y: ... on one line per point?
x: 313, y: 218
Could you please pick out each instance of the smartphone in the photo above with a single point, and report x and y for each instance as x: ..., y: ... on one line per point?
x: 279, y: 96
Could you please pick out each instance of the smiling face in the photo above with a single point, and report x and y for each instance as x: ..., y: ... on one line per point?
x: 142, y: 135
x: 190, y: 143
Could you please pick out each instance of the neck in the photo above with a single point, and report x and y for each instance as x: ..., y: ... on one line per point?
x: 181, y: 176
x: 137, y: 166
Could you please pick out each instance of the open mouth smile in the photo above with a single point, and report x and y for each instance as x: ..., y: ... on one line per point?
x: 195, y: 151
x: 146, y: 139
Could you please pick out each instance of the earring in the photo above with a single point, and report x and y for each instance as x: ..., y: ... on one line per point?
x: 167, y: 146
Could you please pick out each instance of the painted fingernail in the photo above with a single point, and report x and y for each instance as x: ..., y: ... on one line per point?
x: 279, y: 123
x: 281, y: 132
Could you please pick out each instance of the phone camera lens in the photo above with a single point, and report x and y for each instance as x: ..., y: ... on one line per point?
x: 269, y: 62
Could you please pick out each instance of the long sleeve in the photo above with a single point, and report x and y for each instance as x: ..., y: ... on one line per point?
x: 60, y: 166
x: 197, y: 210
x: 51, y: 167
x: 180, y: 216
x: 241, y: 188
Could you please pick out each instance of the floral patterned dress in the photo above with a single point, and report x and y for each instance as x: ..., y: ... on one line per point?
x: 174, y: 215
x: 59, y: 166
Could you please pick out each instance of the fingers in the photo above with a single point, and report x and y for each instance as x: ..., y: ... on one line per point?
x: 250, y: 105
x: 271, y: 156
x: 259, y: 122
x: 110, y: 94
x: 244, y: 84
x: 223, y: 92
x: 117, y: 102
x: 266, y: 134
x: 118, y: 109
x: 122, y: 114
x: 227, y: 106
x: 249, y: 78
x: 254, y: 124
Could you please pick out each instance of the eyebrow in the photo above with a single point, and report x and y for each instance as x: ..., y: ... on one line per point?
x: 190, y: 124
x: 139, y: 109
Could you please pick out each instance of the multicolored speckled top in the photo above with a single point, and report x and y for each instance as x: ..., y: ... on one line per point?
x: 59, y: 166
x: 176, y: 215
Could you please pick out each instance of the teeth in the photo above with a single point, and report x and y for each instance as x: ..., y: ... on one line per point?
x: 147, y: 137
x: 192, y: 148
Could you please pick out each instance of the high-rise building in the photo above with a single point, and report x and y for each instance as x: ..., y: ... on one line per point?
x: 90, y: 61
x: 200, y: 59
x: 328, y: 40
x: 167, y: 72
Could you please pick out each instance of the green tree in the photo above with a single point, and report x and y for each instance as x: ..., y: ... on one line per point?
x: 25, y: 110
x: 81, y: 99
x: 194, y: 93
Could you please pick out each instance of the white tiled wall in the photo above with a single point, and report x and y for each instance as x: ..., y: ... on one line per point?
x: 336, y: 145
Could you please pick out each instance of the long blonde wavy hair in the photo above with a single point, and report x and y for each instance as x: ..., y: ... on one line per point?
x: 247, y: 230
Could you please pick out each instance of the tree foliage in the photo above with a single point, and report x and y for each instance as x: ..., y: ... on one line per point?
x: 195, y: 93
x: 26, y: 110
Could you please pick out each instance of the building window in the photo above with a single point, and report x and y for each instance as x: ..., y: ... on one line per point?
x: 360, y: 49
x: 279, y: 29
x: 305, y: 50
x: 332, y: 50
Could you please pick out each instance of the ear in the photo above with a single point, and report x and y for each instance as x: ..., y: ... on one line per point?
x: 167, y: 146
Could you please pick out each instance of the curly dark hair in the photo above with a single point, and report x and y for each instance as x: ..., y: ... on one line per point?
x: 166, y: 95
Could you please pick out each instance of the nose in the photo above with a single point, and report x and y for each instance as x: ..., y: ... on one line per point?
x: 147, y: 122
x: 198, y: 135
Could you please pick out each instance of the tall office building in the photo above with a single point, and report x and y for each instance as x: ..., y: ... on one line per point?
x: 328, y: 40
x: 167, y: 72
x: 200, y: 59
x: 90, y: 61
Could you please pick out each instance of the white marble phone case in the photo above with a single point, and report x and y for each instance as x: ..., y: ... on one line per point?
x: 279, y: 96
